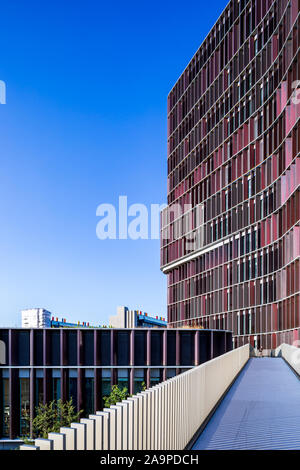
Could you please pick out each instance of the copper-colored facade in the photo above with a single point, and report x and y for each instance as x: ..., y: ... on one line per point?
x: 231, y: 251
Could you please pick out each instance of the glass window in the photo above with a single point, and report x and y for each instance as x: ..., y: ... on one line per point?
x: 123, y: 341
x: 249, y: 186
x: 140, y: 348
x: 171, y: 373
x: 72, y: 348
x: 5, y: 407
x: 106, y: 382
x: 255, y: 45
x: 24, y: 406
x: 139, y: 378
x: 226, y: 200
x: 72, y: 386
x: 88, y: 348
x: 38, y: 348
x: 123, y: 378
x: 88, y: 392
x: 155, y: 377
x: 248, y: 239
x: 104, y: 348
x: 171, y: 349
x: 56, y: 385
x: 23, y: 348
x: 187, y: 349
x: 55, y: 347
x: 39, y: 388
x: 156, y: 348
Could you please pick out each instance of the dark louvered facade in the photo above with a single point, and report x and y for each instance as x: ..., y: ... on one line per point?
x: 41, y: 365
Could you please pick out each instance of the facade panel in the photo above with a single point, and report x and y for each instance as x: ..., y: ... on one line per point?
x: 230, y: 234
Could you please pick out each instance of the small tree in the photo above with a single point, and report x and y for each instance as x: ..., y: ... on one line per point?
x: 52, y: 416
x: 116, y: 395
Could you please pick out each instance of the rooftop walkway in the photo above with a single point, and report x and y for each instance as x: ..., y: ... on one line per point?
x: 260, y: 411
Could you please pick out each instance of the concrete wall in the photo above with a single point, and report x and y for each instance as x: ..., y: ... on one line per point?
x: 291, y: 354
x: 124, y: 318
x: 118, y: 320
x: 165, y: 417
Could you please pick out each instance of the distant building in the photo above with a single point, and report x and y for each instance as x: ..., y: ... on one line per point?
x: 36, y: 318
x: 42, y: 318
x: 56, y: 323
x: 126, y: 318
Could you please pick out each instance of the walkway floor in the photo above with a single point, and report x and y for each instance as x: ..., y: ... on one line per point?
x: 260, y: 411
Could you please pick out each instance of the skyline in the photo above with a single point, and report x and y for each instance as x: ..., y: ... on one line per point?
x: 86, y: 122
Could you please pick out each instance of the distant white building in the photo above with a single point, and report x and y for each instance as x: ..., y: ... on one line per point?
x: 36, y: 318
x: 126, y: 318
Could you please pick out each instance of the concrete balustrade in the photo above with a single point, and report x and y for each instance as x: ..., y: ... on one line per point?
x: 98, y: 433
x: 59, y: 440
x: 133, y: 417
x: 28, y: 447
x: 90, y: 433
x: 80, y: 435
x: 130, y: 420
x: 105, y: 429
x: 70, y: 438
x: 166, y: 416
x: 291, y: 354
x: 44, y: 444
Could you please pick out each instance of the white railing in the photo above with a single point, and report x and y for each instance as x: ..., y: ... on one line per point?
x: 165, y: 417
x: 291, y: 354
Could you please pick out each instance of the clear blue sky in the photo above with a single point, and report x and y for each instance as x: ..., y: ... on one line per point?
x: 85, y: 121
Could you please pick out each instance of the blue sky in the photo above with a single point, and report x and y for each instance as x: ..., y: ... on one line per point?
x: 85, y: 122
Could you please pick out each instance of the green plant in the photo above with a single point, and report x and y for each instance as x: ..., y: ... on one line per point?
x: 116, y: 395
x: 50, y: 417
x: 27, y: 440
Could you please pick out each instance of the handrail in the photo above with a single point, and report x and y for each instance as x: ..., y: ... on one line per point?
x: 164, y: 417
x: 291, y: 354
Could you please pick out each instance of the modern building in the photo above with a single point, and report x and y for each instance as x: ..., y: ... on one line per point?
x: 42, y: 318
x: 36, y: 318
x: 126, y: 318
x: 63, y: 323
x: 42, y: 365
x: 230, y: 240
